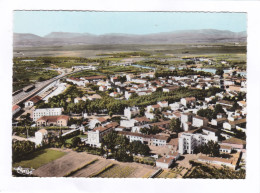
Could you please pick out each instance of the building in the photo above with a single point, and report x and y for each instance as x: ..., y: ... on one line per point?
x: 129, y: 112
x: 94, y: 97
x: 41, y: 136
x: 188, y: 100
x: 77, y: 81
x: 240, y: 123
x: 164, y: 162
x: 235, y: 143
x: 231, y: 163
x: 198, y: 121
x: 189, y: 141
x: 32, y: 101
x: 163, y: 104
x: 60, y: 120
x: 153, y: 140
x: 186, y: 121
x: 15, y: 109
x: 170, y: 88
x: 97, y: 121
x: 37, y: 113
x: 225, y: 149
x: 219, y: 121
x: 95, y: 136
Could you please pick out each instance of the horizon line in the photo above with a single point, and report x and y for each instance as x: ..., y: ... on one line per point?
x: 128, y: 33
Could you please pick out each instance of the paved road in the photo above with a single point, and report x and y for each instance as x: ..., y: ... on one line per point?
x: 22, y: 96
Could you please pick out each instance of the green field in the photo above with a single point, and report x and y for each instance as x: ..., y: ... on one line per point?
x: 39, y: 158
x: 117, y: 171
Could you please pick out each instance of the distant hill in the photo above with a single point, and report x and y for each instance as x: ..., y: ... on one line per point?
x: 176, y: 37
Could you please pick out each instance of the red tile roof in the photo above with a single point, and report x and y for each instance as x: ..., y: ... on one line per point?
x: 15, y: 107
x: 35, y: 99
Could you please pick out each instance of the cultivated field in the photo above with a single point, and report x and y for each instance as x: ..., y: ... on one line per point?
x: 74, y: 160
x: 60, y: 167
x: 40, y: 158
x: 157, y: 50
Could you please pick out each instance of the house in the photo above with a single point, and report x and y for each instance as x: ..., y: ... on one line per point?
x: 152, y: 140
x: 198, y: 121
x: 225, y: 149
x: 128, y: 94
x: 37, y: 113
x: 129, y: 112
x: 235, y: 143
x: 32, y: 101
x: 164, y: 162
x: 102, y: 88
x: 77, y: 81
x: 163, y: 104
x: 161, y: 124
x: 242, y: 103
x: 94, y: 97
x: 60, y: 120
x: 231, y: 163
x: 92, y: 79
x: 77, y: 99
x: 225, y: 103
x: 128, y: 123
x: 15, y: 109
x: 113, y: 94
x: 188, y: 100
x: 141, y: 121
x: 241, y: 123
x: 41, y: 136
x: 219, y: 121
x: 97, y: 121
x: 170, y: 88
x: 175, y: 106
x: 151, y: 108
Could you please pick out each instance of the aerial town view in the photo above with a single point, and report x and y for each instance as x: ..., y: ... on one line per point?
x: 129, y: 95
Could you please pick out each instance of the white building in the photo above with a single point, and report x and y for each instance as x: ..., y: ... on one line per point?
x: 40, y: 136
x: 188, y: 141
x: 186, y: 121
x: 32, y: 101
x: 95, y: 136
x: 198, y: 121
x: 77, y: 81
x: 128, y: 123
x: 188, y: 100
x: 38, y: 113
x: 164, y: 162
x: 163, y: 104
x: 129, y: 112
x: 175, y: 106
x: 153, y: 140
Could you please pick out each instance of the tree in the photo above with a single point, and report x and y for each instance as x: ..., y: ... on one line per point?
x: 208, y: 113
x: 218, y: 109
x: 175, y: 125
x: 219, y: 72
x: 109, y: 141
x: 138, y: 148
x: 75, y: 141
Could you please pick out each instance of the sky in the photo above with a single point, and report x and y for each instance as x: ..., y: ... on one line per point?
x: 44, y: 22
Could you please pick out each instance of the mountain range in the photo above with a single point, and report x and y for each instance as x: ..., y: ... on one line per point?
x: 175, y: 37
